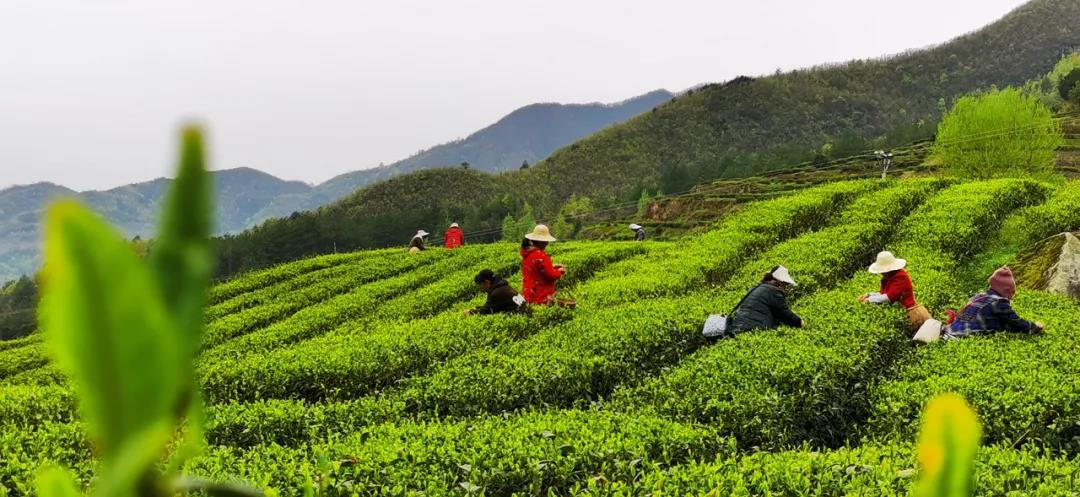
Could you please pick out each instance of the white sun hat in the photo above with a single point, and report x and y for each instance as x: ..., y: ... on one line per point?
x: 781, y: 274
x: 635, y: 227
x: 421, y: 234
x: 453, y: 225
x: 540, y: 233
x: 887, y: 262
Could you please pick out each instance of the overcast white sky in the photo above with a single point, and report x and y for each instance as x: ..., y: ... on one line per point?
x: 92, y: 91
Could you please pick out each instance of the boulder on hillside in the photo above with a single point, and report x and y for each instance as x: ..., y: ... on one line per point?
x: 1052, y: 265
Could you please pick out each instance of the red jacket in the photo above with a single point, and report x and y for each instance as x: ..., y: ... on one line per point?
x: 899, y: 289
x: 538, y: 276
x: 454, y: 238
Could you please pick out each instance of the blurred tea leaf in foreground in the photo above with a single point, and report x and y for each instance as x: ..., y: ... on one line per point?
x: 125, y: 330
x: 950, y: 437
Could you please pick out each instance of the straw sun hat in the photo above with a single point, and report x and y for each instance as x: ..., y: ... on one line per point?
x: 635, y: 227
x: 887, y: 262
x: 540, y: 233
x: 421, y: 234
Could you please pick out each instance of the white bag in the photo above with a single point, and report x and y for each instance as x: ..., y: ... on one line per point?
x: 715, y: 326
x: 929, y: 332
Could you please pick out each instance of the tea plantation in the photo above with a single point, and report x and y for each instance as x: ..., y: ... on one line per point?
x: 358, y: 374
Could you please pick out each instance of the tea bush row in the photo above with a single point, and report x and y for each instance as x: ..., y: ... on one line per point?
x: 587, y: 358
x: 719, y: 252
x: 363, y: 357
x: 785, y: 387
x: 266, y: 277
x: 273, y: 292
x: 279, y: 306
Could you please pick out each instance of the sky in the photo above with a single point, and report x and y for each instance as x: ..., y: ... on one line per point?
x: 92, y: 92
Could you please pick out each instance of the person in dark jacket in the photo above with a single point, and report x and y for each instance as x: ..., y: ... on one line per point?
x: 417, y: 242
x: 501, y: 297
x: 765, y: 306
x: 639, y: 232
x: 992, y: 312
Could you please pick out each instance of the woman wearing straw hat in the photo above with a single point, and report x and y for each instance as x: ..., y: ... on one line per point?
x: 639, y: 232
x: 538, y: 273
x: 896, y: 287
x: 417, y: 242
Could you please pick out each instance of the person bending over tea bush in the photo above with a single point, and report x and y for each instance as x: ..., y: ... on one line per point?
x: 896, y: 287
x: 501, y: 297
x: 765, y: 306
x: 991, y: 311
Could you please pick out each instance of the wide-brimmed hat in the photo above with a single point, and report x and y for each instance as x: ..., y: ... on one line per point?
x: 782, y: 275
x: 540, y: 233
x: 421, y: 234
x: 887, y: 262
x: 635, y: 227
x: 453, y: 225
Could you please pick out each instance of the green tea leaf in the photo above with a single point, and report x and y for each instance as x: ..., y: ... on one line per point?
x: 105, y: 320
x: 125, y: 473
x: 181, y: 254
x: 55, y: 482
x: 950, y: 437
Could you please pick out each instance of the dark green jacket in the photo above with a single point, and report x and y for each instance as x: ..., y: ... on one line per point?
x: 764, y: 307
x: 500, y: 299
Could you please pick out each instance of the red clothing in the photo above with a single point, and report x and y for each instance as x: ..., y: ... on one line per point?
x: 538, y: 276
x: 454, y: 238
x: 899, y: 289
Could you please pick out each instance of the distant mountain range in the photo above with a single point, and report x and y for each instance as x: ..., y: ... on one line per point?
x: 241, y: 194
x: 743, y: 127
x: 247, y: 197
x: 528, y: 134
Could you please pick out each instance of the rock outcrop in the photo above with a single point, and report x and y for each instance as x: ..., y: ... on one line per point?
x: 1052, y: 265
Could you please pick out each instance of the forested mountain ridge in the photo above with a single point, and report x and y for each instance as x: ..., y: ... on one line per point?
x: 526, y: 135
x: 753, y: 125
x: 241, y: 193
x: 739, y: 128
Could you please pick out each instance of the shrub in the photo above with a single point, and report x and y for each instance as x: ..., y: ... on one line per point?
x: 1002, y: 133
x: 1067, y: 86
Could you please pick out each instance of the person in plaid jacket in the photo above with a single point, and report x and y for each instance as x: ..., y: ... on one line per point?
x: 991, y: 311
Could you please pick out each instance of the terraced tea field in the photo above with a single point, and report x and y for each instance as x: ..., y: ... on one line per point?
x: 357, y: 374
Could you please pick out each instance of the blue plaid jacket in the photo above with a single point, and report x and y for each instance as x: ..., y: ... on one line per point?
x: 985, y: 314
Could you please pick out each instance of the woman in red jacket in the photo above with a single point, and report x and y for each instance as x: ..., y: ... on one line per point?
x: 896, y: 287
x: 538, y: 273
x: 454, y: 237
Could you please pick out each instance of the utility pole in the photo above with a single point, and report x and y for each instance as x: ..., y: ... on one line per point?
x: 886, y: 162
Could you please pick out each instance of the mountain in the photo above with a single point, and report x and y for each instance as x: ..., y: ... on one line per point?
x: 743, y: 127
x: 528, y: 134
x: 241, y: 193
x: 247, y: 197
x: 751, y: 125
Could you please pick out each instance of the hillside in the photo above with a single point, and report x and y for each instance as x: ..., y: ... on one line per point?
x: 241, y: 193
x: 753, y: 125
x: 358, y: 373
x: 741, y: 128
x: 528, y: 134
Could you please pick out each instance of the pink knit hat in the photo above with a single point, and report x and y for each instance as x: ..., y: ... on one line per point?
x: 1002, y: 282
